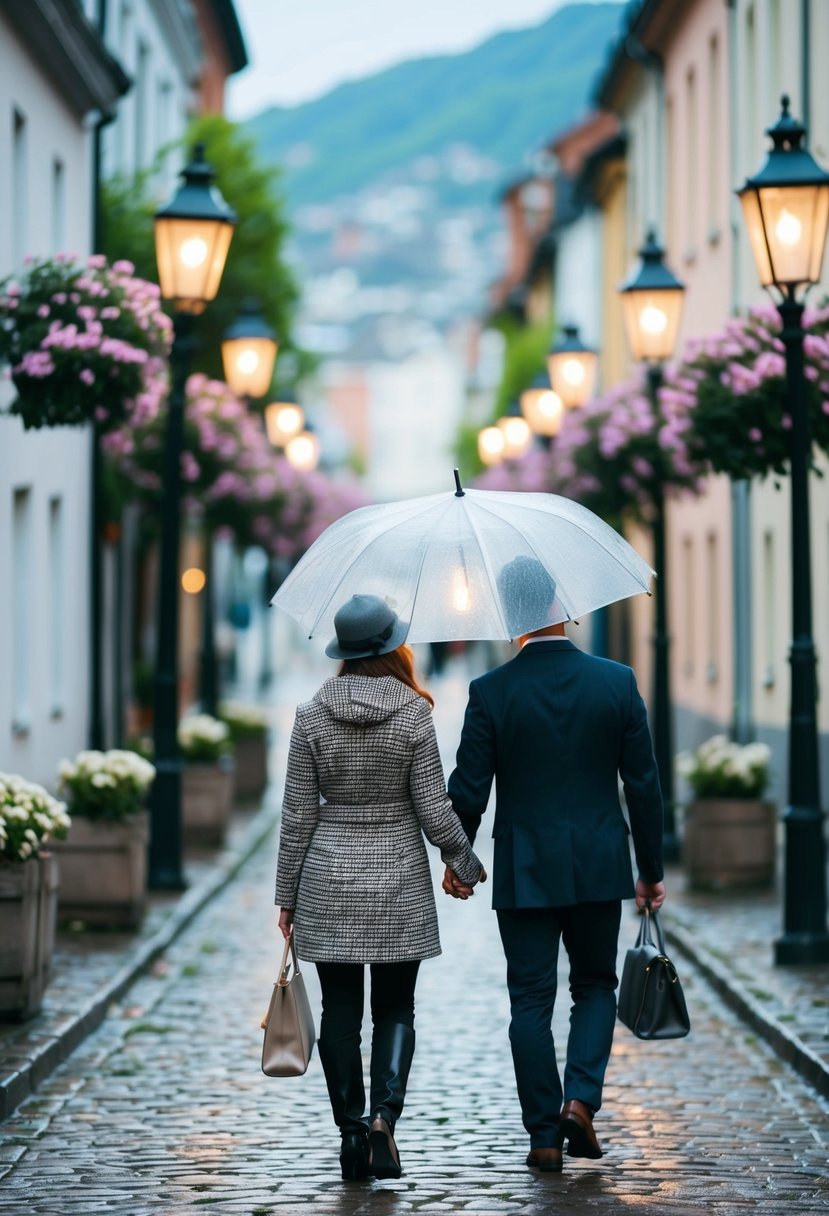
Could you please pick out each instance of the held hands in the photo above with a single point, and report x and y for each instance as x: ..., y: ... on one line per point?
x: 653, y: 892
x: 453, y: 886
x: 286, y: 921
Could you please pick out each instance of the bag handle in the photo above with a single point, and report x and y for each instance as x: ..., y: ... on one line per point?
x: 282, y: 979
x: 651, y: 917
x: 286, y: 964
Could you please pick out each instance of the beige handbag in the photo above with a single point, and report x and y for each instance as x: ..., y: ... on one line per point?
x: 288, y: 1024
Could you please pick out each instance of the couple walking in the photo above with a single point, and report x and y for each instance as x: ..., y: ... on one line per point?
x: 556, y: 728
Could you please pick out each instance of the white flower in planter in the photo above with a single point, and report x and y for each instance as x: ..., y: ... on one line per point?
x: 29, y: 817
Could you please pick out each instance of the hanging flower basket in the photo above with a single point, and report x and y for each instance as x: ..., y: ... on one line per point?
x: 85, y: 342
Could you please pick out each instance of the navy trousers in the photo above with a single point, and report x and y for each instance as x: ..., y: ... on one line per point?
x: 531, y: 937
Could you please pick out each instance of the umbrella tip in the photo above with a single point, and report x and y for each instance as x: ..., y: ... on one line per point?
x: 459, y: 490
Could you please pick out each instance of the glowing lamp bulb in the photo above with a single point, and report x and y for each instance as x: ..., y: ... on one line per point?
x: 193, y: 252
x: 788, y: 228
x: 573, y: 372
x: 247, y: 361
x: 653, y: 320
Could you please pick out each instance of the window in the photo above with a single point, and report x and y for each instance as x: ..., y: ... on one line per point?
x: 20, y: 187
x: 688, y: 597
x: 56, y: 614
x: 692, y: 164
x: 58, y: 238
x: 712, y: 593
x: 22, y: 608
x: 769, y: 622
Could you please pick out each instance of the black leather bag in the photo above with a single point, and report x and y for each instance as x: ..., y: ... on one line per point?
x: 651, y: 1000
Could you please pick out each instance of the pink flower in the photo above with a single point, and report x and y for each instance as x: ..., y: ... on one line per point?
x: 755, y: 435
x: 86, y: 376
x: 43, y: 310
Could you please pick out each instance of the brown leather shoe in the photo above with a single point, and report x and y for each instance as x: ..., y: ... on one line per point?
x: 576, y: 1127
x: 548, y: 1160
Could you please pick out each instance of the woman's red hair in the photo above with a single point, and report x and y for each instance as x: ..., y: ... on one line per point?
x: 398, y: 663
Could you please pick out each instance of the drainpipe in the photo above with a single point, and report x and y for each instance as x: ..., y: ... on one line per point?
x: 742, y: 719
x: 805, y: 67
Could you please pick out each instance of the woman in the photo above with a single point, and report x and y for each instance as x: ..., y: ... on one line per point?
x: 353, y: 876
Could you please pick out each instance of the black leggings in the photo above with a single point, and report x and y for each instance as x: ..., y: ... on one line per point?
x: 343, y: 996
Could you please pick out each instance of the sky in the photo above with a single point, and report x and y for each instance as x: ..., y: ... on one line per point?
x: 300, y: 49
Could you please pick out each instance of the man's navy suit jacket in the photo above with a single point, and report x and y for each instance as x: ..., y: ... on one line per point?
x: 556, y: 728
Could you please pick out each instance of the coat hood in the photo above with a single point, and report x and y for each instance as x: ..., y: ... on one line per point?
x: 364, y: 700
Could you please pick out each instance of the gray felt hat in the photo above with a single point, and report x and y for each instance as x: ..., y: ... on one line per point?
x: 366, y: 626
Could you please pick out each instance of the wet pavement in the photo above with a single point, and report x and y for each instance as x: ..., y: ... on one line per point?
x: 164, y: 1110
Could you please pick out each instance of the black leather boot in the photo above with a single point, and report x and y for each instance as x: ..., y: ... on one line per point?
x: 343, y: 1068
x: 392, y: 1050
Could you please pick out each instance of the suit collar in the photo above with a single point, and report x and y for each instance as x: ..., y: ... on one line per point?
x: 563, y: 645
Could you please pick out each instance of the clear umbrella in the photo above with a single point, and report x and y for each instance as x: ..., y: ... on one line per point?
x: 439, y: 562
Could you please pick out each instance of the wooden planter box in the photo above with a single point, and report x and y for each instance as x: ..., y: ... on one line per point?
x: 730, y: 843
x: 28, y: 911
x: 103, y: 871
x: 251, y: 759
x: 206, y: 801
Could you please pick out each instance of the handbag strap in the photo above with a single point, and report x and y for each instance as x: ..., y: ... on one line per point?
x: 651, y: 918
x: 286, y: 964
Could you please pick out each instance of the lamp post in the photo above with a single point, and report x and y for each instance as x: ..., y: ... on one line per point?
x: 192, y: 237
x: 572, y: 367
x: 786, y: 209
x: 652, y: 305
x: 249, y: 349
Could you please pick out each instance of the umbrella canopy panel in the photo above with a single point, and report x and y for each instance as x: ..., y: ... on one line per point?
x: 438, y: 561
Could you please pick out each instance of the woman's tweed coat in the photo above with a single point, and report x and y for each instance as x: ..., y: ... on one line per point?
x: 364, y: 782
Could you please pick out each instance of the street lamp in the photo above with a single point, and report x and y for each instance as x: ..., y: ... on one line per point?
x: 192, y: 237
x: 249, y: 349
x: 490, y: 445
x: 516, y: 432
x: 543, y: 409
x: 652, y: 305
x: 786, y: 209
x: 283, y: 420
x: 303, y: 451
x: 572, y: 367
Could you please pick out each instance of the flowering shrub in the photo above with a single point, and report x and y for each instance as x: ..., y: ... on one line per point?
x: 232, y: 477
x: 532, y: 473
x: 106, y: 786
x: 243, y: 721
x: 29, y: 817
x: 618, y: 453
x: 203, y: 739
x: 722, y: 769
x: 85, y: 342
x: 730, y: 393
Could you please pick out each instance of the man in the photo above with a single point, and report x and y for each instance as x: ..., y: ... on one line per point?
x: 556, y: 728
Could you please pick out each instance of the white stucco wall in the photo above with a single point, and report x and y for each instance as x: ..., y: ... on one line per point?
x: 44, y: 655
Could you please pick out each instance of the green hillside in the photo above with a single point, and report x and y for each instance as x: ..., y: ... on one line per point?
x: 503, y: 98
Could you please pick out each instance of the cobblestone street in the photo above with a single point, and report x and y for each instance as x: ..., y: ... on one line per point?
x: 164, y: 1109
